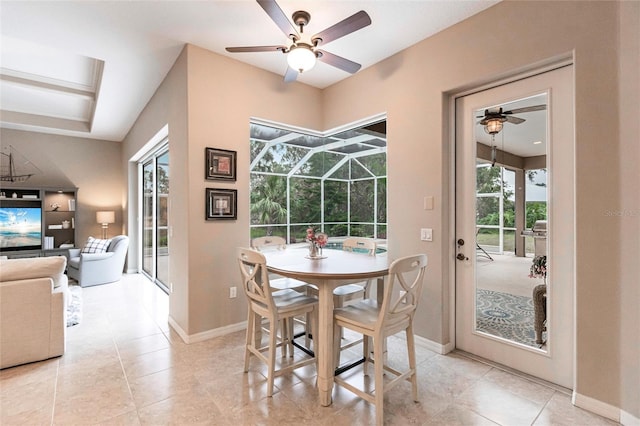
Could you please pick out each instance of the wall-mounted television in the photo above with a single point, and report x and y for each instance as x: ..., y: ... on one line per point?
x: 20, y: 228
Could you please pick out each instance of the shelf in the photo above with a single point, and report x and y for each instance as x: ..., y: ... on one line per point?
x: 46, y: 198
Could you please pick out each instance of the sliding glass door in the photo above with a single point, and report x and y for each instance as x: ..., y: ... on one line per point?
x: 155, y: 218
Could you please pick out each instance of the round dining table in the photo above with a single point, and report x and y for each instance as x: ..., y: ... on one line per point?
x: 334, y: 269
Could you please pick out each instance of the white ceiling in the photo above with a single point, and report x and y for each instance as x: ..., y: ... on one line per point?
x: 88, y: 68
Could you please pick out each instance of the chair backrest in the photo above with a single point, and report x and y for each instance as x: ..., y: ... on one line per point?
x: 119, y: 243
x: 255, y: 277
x: 359, y: 244
x: 407, y: 275
x: 269, y: 242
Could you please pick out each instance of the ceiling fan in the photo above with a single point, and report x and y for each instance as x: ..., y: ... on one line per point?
x: 493, y: 119
x: 302, y: 54
x: 497, y: 115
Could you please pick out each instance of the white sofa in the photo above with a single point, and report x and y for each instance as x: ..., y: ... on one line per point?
x: 34, y: 295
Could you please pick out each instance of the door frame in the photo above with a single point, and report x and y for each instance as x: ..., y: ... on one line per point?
x: 451, y: 97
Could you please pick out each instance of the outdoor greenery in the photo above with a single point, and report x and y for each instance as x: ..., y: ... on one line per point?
x: 294, y: 184
x: 489, y: 180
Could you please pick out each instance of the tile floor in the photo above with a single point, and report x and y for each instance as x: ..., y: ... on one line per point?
x: 124, y: 366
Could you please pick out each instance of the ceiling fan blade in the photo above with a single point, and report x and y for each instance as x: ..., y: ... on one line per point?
x: 342, y: 28
x: 256, y: 49
x: 526, y: 109
x: 515, y: 120
x: 338, y: 62
x: 277, y: 15
x: 290, y: 75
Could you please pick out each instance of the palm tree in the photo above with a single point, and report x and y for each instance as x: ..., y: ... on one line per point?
x: 268, y: 198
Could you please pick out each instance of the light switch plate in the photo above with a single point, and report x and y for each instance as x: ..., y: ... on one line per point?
x: 428, y: 202
x: 426, y: 234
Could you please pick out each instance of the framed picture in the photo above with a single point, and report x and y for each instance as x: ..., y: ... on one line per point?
x: 221, y: 203
x: 219, y: 164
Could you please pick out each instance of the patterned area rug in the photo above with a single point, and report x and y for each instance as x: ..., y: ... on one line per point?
x: 74, y: 310
x: 507, y: 316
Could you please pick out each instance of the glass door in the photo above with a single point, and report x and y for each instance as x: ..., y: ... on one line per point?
x: 514, y: 210
x: 155, y: 218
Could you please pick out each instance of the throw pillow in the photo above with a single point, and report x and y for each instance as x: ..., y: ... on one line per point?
x: 95, y: 245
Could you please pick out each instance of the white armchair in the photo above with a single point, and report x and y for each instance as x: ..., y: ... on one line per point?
x: 99, y: 268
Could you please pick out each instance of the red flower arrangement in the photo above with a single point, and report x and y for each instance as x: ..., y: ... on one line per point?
x: 315, y: 237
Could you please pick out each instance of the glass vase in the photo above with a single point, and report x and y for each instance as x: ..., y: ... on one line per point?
x: 313, y: 250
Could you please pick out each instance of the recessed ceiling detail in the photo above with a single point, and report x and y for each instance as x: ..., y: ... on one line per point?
x: 43, y: 88
x: 88, y: 68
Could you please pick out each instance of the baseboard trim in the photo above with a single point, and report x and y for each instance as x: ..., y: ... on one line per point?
x: 205, y: 335
x: 433, y: 346
x: 628, y: 419
x: 596, y: 406
x: 217, y: 332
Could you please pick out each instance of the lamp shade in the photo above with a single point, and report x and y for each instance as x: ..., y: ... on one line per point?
x: 301, y: 58
x: 106, y: 217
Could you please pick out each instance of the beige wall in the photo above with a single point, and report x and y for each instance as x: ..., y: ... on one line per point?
x: 209, y: 100
x: 628, y: 224
x: 92, y: 166
x: 168, y: 106
x: 411, y: 87
x: 220, y: 95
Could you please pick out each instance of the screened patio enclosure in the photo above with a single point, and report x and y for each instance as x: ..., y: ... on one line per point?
x: 337, y: 183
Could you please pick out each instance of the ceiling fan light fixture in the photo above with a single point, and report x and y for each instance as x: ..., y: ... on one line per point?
x: 301, y: 57
x: 493, y: 126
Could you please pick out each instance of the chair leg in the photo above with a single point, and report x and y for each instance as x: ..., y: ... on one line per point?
x: 336, y: 345
x: 411, y: 350
x: 366, y: 349
x: 378, y: 365
x: 284, y: 334
x: 290, y: 324
x: 314, y: 325
x: 252, y: 320
x: 308, y: 333
x: 271, y: 360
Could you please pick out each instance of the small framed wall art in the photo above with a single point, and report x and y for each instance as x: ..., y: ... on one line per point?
x: 221, y: 203
x: 219, y: 164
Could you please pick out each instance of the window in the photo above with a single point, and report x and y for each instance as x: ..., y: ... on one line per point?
x: 337, y: 182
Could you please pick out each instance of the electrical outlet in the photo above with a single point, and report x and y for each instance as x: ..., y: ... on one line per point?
x: 233, y: 292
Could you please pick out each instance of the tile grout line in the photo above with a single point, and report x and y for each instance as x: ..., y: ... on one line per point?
x: 55, y: 391
x: 126, y: 378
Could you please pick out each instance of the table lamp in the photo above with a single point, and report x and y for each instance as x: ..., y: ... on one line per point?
x: 105, y: 218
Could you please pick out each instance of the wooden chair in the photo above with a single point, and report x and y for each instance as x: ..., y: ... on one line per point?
x: 353, y: 291
x: 345, y: 294
x: 278, y: 243
x: 378, y: 321
x: 283, y: 283
x: 274, y: 306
